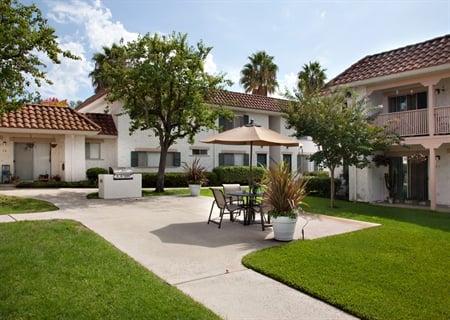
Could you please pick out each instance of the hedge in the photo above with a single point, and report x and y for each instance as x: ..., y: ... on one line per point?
x: 321, y: 186
x: 171, y: 180
x: 235, y: 174
x: 56, y: 184
x: 317, y: 174
x: 92, y: 173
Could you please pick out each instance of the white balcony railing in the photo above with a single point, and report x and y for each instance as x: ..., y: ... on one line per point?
x: 442, y: 120
x: 405, y: 123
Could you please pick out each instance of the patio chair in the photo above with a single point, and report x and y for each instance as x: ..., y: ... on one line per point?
x: 223, y: 205
x: 263, y: 209
x: 229, y: 188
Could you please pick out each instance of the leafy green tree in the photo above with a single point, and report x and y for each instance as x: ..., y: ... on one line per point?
x: 25, y: 38
x: 259, y: 76
x: 109, y: 54
x: 162, y: 84
x: 339, y: 123
x: 311, y: 78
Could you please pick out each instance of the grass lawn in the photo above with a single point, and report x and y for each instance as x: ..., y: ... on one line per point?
x: 168, y: 192
x: 9, y: 204
x: 61, y: 270
x: 400, y: 270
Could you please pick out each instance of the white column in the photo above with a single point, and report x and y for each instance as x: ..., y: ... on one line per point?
x: 432, y: 178
x: 431, y: 105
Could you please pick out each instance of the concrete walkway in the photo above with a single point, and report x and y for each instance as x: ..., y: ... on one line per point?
x: 169, y: 236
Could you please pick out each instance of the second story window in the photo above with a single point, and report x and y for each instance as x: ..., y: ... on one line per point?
x: 199, y: 152
x: 237, y: 121
x: 408, y: 102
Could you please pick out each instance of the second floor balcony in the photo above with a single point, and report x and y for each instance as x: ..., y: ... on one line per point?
x: 415, y: 122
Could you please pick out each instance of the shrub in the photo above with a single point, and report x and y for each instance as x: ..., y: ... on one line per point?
x: 195, y: 173
x: 236, y: 174
x: 171, y: 180
x: 317, y: 174
x: 320, y: 186
x: 92, y: 174
x: 56, y: 184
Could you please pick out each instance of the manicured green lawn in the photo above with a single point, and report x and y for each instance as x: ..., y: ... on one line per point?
x: 168, y: 192
x: 9, y: 204
x: 61, y: 270
x: 400, y: 270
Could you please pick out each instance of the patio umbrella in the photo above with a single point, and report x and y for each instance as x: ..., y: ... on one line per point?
x: 253, y: 135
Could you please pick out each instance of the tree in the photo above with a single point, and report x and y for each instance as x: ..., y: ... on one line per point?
x: 25, y: 39
x: 311, y: 78
x: 260, y: 75
x: 339, y: 123
x: 162, y: 84
x: 109, y: 54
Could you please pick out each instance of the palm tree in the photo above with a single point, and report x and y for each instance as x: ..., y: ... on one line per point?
x: 259, y: 76
x: 311, y: 78
x: 109, y: 54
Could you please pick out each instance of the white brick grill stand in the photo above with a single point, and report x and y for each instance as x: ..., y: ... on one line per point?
x: 109, y: 188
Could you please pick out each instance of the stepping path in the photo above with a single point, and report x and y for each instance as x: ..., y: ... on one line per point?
x: 169, y: 236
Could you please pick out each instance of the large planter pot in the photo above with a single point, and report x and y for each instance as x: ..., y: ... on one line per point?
x: 195, y: 189
x: 284, y: 228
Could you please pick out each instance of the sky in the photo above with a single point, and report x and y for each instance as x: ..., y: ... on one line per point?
x: 335, y: 33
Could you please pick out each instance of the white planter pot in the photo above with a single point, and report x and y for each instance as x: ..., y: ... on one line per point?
x: 195, y: 189
x: 284, y: 228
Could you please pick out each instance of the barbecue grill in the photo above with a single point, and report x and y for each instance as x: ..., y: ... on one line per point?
x: 122, y: 174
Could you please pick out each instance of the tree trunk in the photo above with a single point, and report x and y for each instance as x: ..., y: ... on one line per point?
x: 161, y: 168
x: 332, y: 187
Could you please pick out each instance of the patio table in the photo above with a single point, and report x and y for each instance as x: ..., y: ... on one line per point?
x: 248, y: 204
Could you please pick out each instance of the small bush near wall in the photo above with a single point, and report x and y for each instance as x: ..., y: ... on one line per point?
x: 235, y: 174
x: 56, y: 184
x: 320, y: 186
x: 317, y: 174
x: 92, y: 174
x: 171, y: 180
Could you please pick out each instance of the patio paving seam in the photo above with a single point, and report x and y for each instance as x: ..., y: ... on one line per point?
x: 209, y: 277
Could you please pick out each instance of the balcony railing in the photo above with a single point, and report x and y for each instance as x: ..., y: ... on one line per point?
x: 405, y: 123
x: 442, y: 120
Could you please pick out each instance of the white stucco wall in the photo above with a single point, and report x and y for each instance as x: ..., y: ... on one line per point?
x: 108, y: 154
x: 443, y: 176
x: 367, y: 184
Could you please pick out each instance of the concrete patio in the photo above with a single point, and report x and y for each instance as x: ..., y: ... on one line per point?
x: 169, y: 236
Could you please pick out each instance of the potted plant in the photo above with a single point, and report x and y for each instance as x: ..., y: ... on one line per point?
x: 284, y: 192
x: 196, y: 176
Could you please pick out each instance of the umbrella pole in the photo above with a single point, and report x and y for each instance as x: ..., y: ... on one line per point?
x: 251, y: 172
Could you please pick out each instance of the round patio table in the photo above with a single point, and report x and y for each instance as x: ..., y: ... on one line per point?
x: 248, y: 204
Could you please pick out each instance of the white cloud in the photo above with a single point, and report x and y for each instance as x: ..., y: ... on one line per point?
x: 69, y: 76
x: 323, y: 14
x: 210, y: 65
x: 288, y: 82
x: 97, y: 21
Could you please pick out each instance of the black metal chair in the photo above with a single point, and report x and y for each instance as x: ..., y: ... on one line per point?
x: 263, y: 209
x: 224, y: 207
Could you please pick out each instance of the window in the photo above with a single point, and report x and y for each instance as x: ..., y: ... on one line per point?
x: 261, y: 160
x: 143, y: 159
x: 199, y: 152
x: 233, y: 159
x: 92, y: 150
x: 408, y: 102
x: 228, y: 124
x: 287, y: 159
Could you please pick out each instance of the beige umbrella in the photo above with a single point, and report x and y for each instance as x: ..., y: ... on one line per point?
x: 253, y: 135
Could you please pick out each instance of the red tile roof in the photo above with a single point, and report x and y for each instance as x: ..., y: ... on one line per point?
x: 36, y: 116
x: 104, y: 121
x: 245, y: 100
x: 426, y: 54
x: 225, y: 98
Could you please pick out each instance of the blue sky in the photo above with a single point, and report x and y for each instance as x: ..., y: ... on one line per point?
x: 336, y: 33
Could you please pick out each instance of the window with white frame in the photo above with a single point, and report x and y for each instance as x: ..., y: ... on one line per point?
x: 144, y: 159
x: 93, y: 150
x: 228, y: 124
x: 233, y: 159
